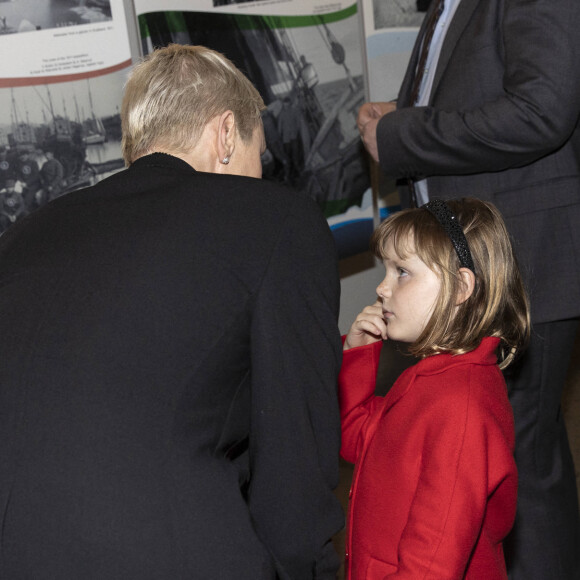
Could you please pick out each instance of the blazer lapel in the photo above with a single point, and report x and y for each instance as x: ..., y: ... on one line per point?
x: 460, y: 20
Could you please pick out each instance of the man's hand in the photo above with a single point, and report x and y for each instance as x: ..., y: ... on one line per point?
x: 367, y: 121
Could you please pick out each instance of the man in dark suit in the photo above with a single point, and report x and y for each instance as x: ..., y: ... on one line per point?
x: 170, y: 350
x: 496, y: 117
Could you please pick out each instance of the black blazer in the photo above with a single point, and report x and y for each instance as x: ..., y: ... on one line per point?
x: 168, y: 408
x: 502, y: 125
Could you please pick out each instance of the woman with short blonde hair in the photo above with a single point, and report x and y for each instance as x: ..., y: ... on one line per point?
x: 163, y: 416
x: 174, y: 92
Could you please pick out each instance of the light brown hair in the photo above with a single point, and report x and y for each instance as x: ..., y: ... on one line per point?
x: 175, y: 91
x: 498, y: 305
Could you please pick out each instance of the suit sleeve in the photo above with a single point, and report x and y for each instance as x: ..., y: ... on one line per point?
x: 534, y: 114
x: 295, y: 430
x: 466, y: 457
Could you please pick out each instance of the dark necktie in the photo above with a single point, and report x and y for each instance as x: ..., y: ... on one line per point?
x: 433, y: 18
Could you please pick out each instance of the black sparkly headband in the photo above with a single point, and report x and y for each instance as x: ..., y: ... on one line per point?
x: 440, y: 210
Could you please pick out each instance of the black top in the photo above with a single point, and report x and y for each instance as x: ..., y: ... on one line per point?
x: 168, y: 410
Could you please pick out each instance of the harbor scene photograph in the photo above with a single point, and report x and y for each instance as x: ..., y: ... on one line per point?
x: 30, y: 15
x: 56, y: 138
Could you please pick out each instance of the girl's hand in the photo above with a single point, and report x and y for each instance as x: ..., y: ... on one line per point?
x: 369, y: 327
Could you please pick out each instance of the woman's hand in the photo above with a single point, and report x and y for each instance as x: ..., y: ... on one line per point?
x: 369, y: 327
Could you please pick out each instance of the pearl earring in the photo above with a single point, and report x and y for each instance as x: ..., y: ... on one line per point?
x: 226, y: 160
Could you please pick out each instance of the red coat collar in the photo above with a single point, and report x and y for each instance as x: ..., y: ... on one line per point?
x: 484, y: 354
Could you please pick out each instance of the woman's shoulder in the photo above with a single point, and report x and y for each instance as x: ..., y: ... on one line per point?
x: 266, y: 193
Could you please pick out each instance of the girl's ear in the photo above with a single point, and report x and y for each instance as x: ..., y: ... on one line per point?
x: 466, y: 285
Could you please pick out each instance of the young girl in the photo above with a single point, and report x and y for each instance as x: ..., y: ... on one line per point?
x: 434, y: 487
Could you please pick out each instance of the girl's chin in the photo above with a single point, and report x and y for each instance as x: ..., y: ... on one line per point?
x: 396, y: 338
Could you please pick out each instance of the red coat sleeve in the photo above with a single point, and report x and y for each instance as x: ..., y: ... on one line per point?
x: 356, y: 384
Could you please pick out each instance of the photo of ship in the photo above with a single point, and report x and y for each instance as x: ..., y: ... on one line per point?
x: 310, y: 122
x: 53, y: 141
x: 18, y: 16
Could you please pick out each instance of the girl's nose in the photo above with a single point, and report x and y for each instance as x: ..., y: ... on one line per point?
x: 383, y: 289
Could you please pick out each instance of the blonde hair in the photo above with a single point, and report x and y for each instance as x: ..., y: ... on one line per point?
x: 498, y: 305
x: 175, y: 91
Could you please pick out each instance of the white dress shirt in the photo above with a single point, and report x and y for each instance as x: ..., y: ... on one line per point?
x: 427, y: 83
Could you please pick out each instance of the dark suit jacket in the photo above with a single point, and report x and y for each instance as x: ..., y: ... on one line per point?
x: 502, y: 125
x: 168, y: 408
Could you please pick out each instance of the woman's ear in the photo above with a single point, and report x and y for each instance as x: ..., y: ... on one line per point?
x: 226, y: 136
x: 466, y: 285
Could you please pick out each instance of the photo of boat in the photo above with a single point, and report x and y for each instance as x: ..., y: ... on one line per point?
x: 305, y: 75
x: 17, y: 16
x: 58, y: 127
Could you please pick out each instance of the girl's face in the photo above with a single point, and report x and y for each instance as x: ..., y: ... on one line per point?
x: 408, y: 294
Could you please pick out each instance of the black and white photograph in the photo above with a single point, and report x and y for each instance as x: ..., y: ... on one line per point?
x: 311, y: 80
x: 399, y: 13
x: 32, y: 15
x: 56, y: 138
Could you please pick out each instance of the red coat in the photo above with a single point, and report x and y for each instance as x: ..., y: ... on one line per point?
x: 434, y: 487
